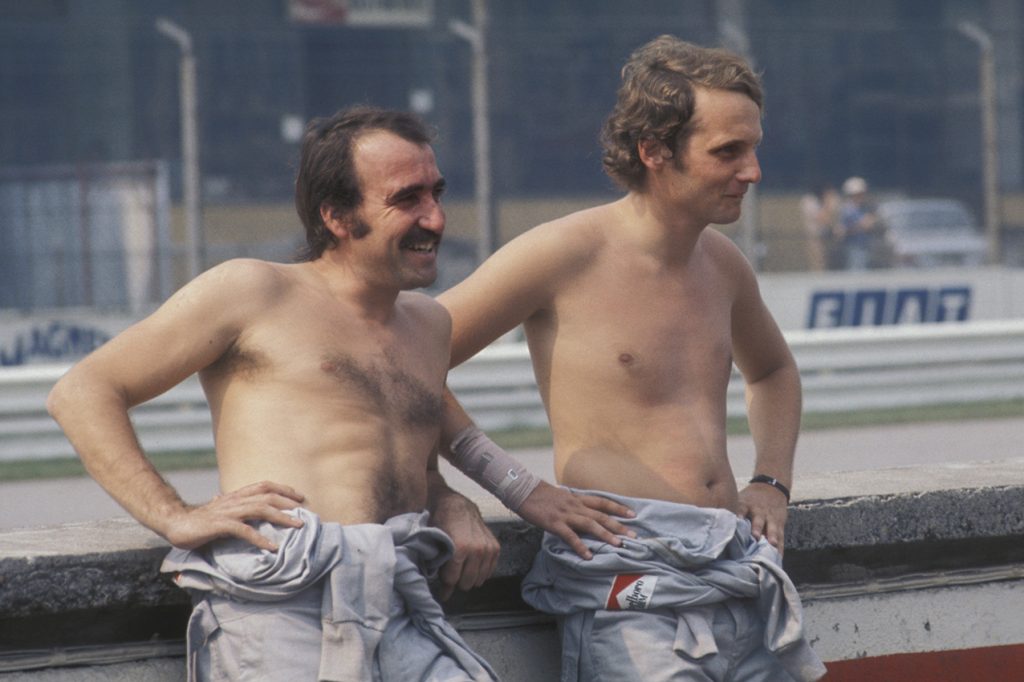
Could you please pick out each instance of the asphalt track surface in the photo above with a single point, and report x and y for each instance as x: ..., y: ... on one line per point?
x: 47, y: 502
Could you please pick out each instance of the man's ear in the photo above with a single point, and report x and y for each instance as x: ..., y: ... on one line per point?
x: 336, y: 221
x: 653, y: 153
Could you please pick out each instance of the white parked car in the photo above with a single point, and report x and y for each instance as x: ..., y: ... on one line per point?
x: 930, y: 233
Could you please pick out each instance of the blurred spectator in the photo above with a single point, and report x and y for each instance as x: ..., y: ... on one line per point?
x: 859, y: 224
x: 820, y: 211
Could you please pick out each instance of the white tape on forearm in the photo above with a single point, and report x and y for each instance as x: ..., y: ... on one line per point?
x: 480, y: 458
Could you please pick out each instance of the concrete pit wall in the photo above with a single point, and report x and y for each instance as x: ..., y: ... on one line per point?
x: 914, y: 573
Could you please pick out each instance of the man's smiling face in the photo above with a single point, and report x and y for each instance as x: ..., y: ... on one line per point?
x: 398, y: 226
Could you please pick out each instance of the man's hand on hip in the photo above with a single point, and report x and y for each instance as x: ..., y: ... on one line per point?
x: 227, y: 516
x: 767, y: 509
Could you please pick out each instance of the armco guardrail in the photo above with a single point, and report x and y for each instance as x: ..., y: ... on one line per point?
x: 842, y: 370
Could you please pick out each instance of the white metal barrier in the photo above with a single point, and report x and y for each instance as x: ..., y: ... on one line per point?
x: 842, y: 370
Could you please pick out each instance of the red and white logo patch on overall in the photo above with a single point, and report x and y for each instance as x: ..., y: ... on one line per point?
x: 631, y: 591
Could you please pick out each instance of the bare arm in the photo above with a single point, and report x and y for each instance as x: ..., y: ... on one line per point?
x: 515, y: 283
x: 91, y: 404
x: 774, y: 403
x: 520, y: 280
x: 476, y: 548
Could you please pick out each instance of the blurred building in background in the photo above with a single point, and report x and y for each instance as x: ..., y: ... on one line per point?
x: 884, y: 89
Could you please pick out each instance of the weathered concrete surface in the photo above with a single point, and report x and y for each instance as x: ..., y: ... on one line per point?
x: 114, y: 562
x: 844, y: 529
x: 82, y: 566
x: 153, y: 670
x: 918, y: 618
x: 951, y: 514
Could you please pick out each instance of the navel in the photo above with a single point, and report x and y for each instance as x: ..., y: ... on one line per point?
x: 626, y: 359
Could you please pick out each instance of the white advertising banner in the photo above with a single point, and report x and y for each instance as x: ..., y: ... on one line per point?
x: 55, y: 337
x: 891, y: 297
x: 797, y: 300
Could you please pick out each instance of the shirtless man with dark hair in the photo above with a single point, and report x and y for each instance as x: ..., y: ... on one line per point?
x: 324, y: 380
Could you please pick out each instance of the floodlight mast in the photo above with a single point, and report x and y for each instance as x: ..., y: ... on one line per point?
x: 989, y: 134
x: 476, y: 36
x: 189, y: 144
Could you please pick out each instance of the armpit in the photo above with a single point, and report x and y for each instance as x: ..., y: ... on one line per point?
x: 244, y: 364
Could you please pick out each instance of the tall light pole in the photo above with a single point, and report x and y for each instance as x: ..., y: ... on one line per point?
x: 476, y: 36
x: 189, y: 145
x: 989, y: 148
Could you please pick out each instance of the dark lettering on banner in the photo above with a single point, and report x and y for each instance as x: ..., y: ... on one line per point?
x: 912, y: 305
x: 826, y: 309
x: 954, y: 304
x: 869, y: 308
x: 877, y: 307
x: 52, y: 341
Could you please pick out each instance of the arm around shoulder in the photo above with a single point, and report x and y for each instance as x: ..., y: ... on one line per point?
x: 515, y: 283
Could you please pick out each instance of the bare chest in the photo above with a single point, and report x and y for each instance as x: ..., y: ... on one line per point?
x: 386, y: 383
x: 655, y: 335
x: 333, y: 366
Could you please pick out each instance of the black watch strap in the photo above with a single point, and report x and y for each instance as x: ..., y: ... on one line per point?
x: 774, y: 482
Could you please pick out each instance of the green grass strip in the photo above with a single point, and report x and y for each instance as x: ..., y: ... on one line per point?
x: 1008, y: 409
x: 21, y: 470
x: 64, y: 467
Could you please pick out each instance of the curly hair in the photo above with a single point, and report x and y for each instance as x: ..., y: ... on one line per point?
x: 657, y: 97
x: 327, y: 171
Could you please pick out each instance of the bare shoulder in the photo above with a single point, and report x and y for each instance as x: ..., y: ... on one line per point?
x: 521, y: 275
x: 228, y: 296
x: 425, y: 311
x: 563, y: 245
x: 727, y: 257
x: 190, y: 331
x: 248, y: 277
x: 721, y: 246
x: 421, y: 304
x: 577, y: 233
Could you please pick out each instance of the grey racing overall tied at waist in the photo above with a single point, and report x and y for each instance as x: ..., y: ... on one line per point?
x: 693, y: 594
x: 333, y: 603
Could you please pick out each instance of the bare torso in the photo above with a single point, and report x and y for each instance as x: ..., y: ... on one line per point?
x: 344, y: 409
x: 635, y: 312
x: 633, y: 357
